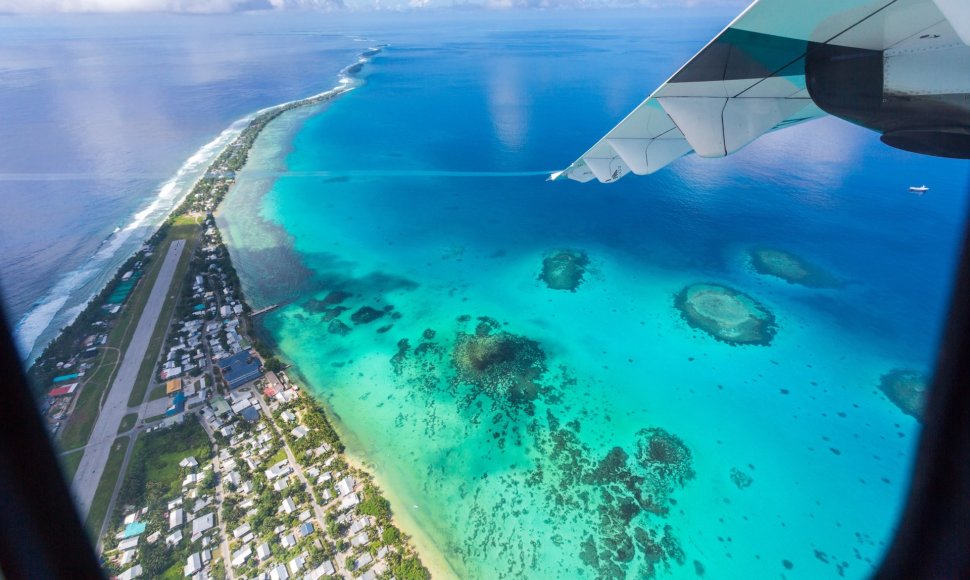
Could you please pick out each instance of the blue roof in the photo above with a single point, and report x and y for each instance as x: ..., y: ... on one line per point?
x: 178, y: 404
x: 134, y: 529
x: 250, y: 414
x: 240, y: 368
x: 306, y: 528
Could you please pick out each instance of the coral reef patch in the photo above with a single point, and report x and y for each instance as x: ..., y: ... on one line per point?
x: 791, y: 268
x: 564, y: 269
x: 906, y: 388
x: 728, y: 315
x: 508, y: 398
x: 499, y: 364
x: 366, y: 315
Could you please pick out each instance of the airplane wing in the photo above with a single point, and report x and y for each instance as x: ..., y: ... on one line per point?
x: 900, y: 67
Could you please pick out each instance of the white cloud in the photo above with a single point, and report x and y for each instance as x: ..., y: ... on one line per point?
x: 184, y: 6
x: 221, y: 6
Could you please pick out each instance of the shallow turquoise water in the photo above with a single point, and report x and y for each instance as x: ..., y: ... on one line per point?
x: 557, y: 482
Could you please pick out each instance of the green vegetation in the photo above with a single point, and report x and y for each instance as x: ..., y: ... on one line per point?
x: 154, y: 472
x: 106, y: 487
x: 157, y: 393
x: 406, y: 566
x: 320, y: 429
x: 273, y: 364
x: 127, y: 422
x: 374, y: 504
x: 77, y: 429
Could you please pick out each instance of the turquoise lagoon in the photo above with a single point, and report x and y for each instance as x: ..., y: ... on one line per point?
x: 596, y: 434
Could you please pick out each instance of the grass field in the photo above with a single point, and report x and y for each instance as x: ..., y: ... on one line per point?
x: 78, y: 427
x: 157, y: 393
x: 106, y: 487
x: 156, y: 459
x: 127, y: 422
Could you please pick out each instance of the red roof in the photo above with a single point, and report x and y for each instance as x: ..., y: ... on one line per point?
x: 60, y: 391
x: 269, y: 392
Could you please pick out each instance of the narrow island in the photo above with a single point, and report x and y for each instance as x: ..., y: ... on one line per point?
x: 728, y: 315
x: 223, y: 466
x: 791, y: 268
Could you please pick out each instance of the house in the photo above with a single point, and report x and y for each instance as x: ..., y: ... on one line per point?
x: 280, y: 469
x: 324, y: 569
x: 128, y: 544
x: 288, y: 541
x: 349, y: 502
x: 263, y: 552
x: 287, y: 416
x: 130, y: 573
x: 279, y: 573
x: 346, y: 485
x: 174, y: 538
x: 288, y: 506
x: 364, y: 560
x: 281, y: 484
x: 299, y: 432
x: 360, y: 539
x: 297, y: 564
x: 241, y: 531
x: 250, y: 414
x: 189, y: 462
x: 202, y: 523
x: 306, y: 529
x: 193, y: 564
x: 240, y: 556
x: 176, y: 518
x: 126, y: 557
x: 359, y: 525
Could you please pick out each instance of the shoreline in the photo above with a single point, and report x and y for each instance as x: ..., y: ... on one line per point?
x: 432, y: 557
x: 207, y: 193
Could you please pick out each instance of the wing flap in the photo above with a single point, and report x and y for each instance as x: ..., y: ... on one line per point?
x: 749, y: 80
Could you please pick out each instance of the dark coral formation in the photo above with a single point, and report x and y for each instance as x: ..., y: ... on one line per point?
x: 664, y: 456
x: 564, y: 269
x: 728, y: 315
x: 791, y: 268
x: 338, y: 328
x: 366, y: 315
x: 498, y: 364
x: 906, y: 389
x: 626, y: 492
x: 740, y: 478
x: 500, y: 385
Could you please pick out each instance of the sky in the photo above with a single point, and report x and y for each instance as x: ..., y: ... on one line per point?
x: 224, y: 6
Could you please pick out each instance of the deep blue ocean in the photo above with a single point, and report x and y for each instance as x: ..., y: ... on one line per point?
x: 420, y: 195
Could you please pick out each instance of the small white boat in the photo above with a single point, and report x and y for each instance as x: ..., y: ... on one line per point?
x: 919, y: 190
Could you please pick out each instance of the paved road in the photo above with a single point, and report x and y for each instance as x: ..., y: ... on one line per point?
x: 116, y: 405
